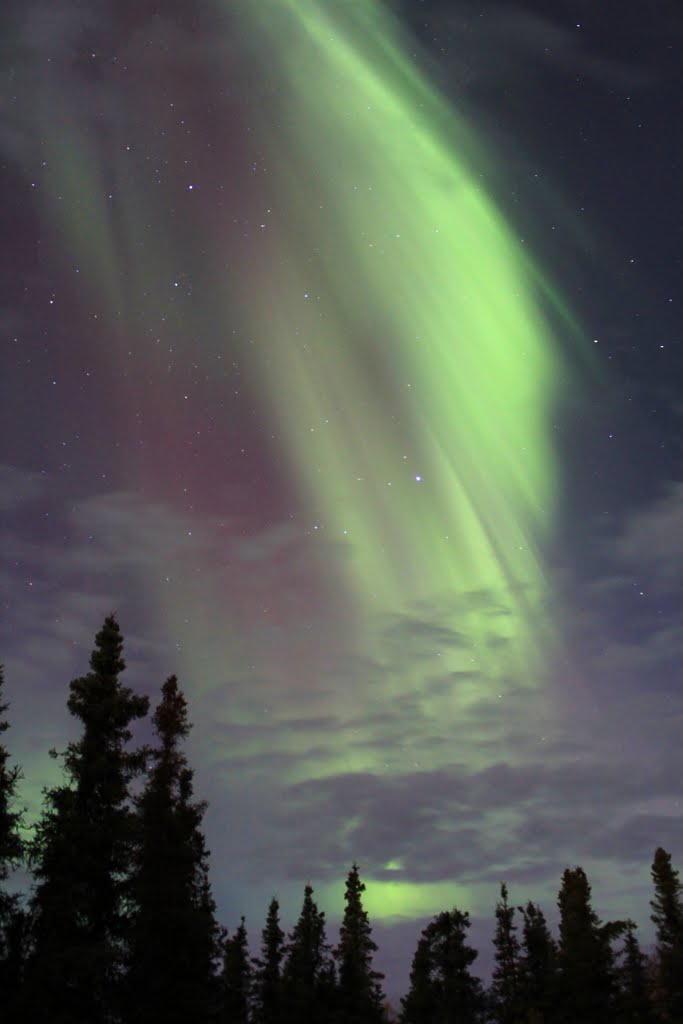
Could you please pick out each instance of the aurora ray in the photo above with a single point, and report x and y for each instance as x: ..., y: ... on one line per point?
x: 410, y: 369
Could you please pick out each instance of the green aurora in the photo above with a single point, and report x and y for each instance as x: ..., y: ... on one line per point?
x: 411, y: 376
x: 410, y: 371
x: 408, y: 374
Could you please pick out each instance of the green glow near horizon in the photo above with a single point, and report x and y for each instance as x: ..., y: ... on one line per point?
x: 390, y: 901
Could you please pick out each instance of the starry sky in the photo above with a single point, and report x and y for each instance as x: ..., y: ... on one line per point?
x: 341, y: 357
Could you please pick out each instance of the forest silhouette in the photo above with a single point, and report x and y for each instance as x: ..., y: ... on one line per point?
x: 120, y: 925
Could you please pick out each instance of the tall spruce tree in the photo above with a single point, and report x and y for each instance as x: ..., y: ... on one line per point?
x: 12, y: 918
x: 587, y: 972
x: 236, y: 978
x: 360, y: 999
x: 174, y: 945
x: 667, y: 916
x: 505, y: 986
x: 81, y: 852
x: 267, y: 974
x: 442, y: 990
x: 308, y: 975
x: 538, y: 967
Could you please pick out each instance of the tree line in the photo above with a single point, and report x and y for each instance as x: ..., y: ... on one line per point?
x: 120, y: 926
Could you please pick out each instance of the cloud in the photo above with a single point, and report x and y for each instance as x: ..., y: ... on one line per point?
x: 511, y: 788
x: 19, y: 487
x: 309, y: 761
x: 509, y: 819
x: 652, y: 539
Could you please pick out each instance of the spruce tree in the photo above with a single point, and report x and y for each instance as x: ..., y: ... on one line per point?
x: 667, y: 916
x: 421, y: 1002
x: 442, y: 990
x: 667, y: 907
x: 308, y: 974
x: 236, y: 978
x: 267, y: 974
x: 81, y: 852
x: 174, y: 937
x: 587, y: 975
x: 10, y: 843
x: 360, y: 998
x: 12, y: 918
x: 635, y: 1004
x: 505, y: 987
x: 538, y: 966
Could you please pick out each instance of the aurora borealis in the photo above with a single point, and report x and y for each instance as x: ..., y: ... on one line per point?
x: 318, y: 330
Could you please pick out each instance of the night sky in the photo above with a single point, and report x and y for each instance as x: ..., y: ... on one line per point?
x: 341, y: 357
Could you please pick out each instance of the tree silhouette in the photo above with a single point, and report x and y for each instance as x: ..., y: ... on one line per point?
x: 587, y: 975
x: 267, y: 986
x: 538, y: 966
x: 308, y: 975
x: 11, y: 849
x: 667, y: 916
x: 442, y: 990
x: 12, y: 918
x: 505, y: 987
x: 360, y: 997
x: 82, y: 851
x: 175, y: 937
x: 236, y: 978
x: 634, y: 1002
